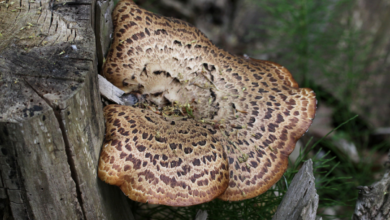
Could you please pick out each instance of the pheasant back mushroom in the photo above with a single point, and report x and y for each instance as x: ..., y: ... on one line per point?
x: 221, y: 126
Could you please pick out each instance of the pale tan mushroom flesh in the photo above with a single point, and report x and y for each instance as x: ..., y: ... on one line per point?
x: 247, y: 115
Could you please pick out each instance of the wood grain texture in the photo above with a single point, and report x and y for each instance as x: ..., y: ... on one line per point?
x: 373, y: 201
x: 109, y: 91
x: 301, y: 199
x: 51, y: 119
x: 103, y: 29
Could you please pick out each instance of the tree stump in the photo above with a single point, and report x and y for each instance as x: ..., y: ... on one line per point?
x: 51, y: 120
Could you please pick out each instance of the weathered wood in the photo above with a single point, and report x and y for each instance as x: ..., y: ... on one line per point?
x: 301, y: 199
x: 51, y: 120
x: 109, y: 91
x: 114, y: 94
x: 34, y: 168
x: 374, y: 201
x: 103, y: 28
x: 201, y: 215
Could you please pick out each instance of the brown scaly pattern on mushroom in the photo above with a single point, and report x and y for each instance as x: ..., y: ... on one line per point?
x: 148, y: 158
x: 252, y: 110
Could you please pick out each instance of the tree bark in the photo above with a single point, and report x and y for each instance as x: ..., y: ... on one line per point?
x: 374, y: 201
x: 51, y: 120
x: 301, y: 199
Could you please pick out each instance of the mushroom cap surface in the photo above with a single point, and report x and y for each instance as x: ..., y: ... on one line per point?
x: 243, y: 116
x: 151, y: 163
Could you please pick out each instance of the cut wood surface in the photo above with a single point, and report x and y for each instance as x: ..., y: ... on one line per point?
x: 51, y: 120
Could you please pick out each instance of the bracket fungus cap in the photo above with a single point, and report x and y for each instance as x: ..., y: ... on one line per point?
x: 220, y: 125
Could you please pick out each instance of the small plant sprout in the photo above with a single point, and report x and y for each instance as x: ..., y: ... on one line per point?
x: 189, y: 111
x: 62, y: 52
